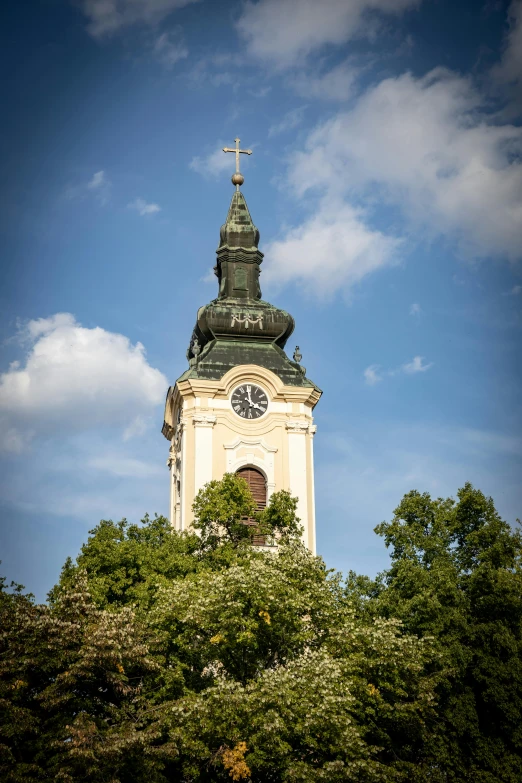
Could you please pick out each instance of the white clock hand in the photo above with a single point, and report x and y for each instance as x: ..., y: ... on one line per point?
x: 250, y: 400
x: 255, y: 405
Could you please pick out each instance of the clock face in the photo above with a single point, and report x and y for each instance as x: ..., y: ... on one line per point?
x: 249, y: 401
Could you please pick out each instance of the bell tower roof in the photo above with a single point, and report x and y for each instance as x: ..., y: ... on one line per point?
x: 238, y: 229
x: 238, y: 327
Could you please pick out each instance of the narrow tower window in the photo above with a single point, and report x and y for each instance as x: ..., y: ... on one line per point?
x: 257, y: 484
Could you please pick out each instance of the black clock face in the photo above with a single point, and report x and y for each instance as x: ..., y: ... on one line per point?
x: 249, y: 401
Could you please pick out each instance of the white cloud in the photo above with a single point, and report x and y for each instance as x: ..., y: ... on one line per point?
x: 283, y: 32
x: 371, y: 375
x: 429, y: 146
x: 289, y: 121
x: 126, y: 467
x: 415, y: 309
x: 209, y: 70
x: 98, y: 186
x: 12, y: 440
x: 169, y: 49
x: 107, y: 17
x: 374, y: 374
x: 75, y: 379
x: 509, y: 69
x: 479, y: 442
x: 338, y: 84
x: 137, y: 427
x: 514, y: 291
x: 143, y: 208
x: 416, y: 365
x: 97, y: 181
x: 260, y: 92
x: 210, y: 277
x: 88, y: 476
x: 333, y: 249
x: 215, y: 163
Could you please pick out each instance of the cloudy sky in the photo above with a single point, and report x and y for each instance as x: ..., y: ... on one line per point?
x: 386, y: 182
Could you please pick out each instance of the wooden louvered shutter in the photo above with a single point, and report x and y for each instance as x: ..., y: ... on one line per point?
x: 256, y: 481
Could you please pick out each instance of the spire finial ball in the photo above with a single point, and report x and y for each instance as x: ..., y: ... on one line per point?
x: 237, y: 178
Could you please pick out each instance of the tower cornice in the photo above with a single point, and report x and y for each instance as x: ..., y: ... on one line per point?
x: 221, y: 390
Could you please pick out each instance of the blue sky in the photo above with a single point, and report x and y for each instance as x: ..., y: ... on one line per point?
x: 386, y: 182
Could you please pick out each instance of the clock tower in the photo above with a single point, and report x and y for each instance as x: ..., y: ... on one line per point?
x: 242, y: 406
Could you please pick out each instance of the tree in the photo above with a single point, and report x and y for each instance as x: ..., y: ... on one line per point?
x: 197, y: 657
x: 221, y: 508
x: 127, y: 563
x: 456, y: 576
x: 71, y: 691
x: 233, y: 663
x: 284, y: 678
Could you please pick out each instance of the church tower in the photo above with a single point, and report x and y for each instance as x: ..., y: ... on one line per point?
x: 242, y: 406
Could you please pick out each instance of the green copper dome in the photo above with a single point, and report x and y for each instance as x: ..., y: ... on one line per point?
x: 238, y: 327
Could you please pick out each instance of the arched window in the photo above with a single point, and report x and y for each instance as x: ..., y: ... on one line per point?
x: 257, y: 483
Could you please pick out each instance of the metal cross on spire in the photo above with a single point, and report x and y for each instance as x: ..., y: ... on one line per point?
x: 237, y: 178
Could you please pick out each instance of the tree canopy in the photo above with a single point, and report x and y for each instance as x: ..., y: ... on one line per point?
x: 456, y: 575
x: 197, y: 657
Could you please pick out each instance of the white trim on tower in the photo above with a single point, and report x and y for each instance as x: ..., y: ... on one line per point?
x: 298, y: 474
x: 203, y: 425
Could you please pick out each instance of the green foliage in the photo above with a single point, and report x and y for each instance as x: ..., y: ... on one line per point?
x: 71, y: 690
x: 221, y: 508
x: 275, y: 679
x: 456, y: 576
x: 127, y: 563
x: 165, y: 656
x: 274, y: 657
x: 249, y: 616
x: 279, y: 519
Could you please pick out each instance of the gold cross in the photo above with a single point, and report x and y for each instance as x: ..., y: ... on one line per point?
x: 238, y: 152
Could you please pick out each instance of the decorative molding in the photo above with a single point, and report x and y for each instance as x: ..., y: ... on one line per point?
x: 244, y: 254
x: 247, y: 319
x: 175, y: 445
x: 297, y: 426
x: 265, y: 463
x: 312, y: 429
x: 203, y: 420
x: 259, y: 442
